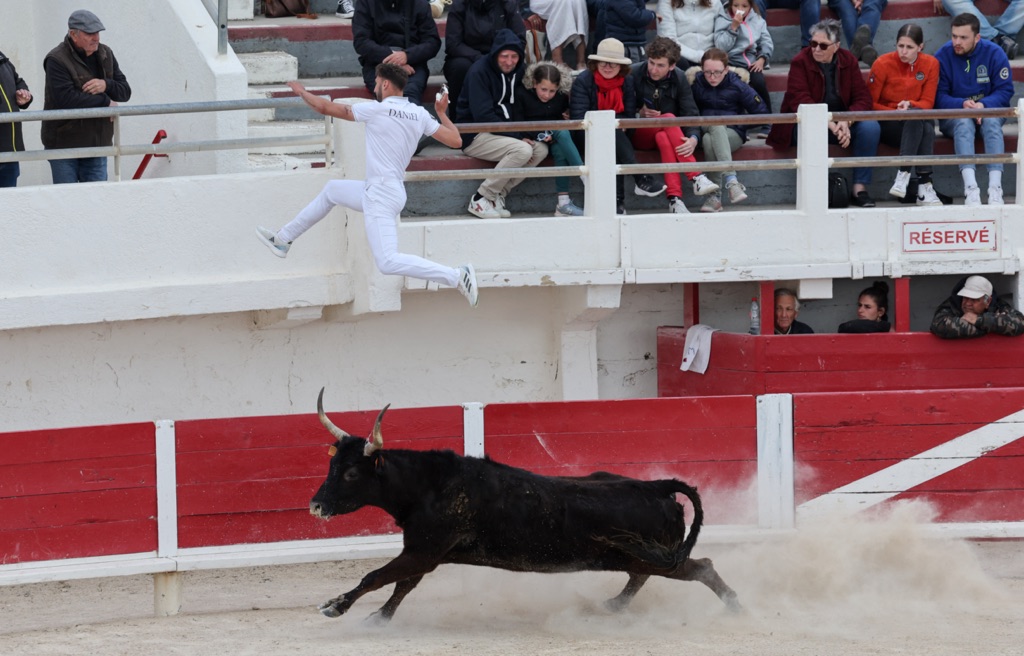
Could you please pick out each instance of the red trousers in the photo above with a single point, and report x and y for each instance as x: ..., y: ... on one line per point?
x: 665, y: 140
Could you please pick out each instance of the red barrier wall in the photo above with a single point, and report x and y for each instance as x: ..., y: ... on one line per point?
x: 77, y: 492
x: 709, y: 442
x: 769, y: 364
x: 840, y: 438
x: 250, y: 480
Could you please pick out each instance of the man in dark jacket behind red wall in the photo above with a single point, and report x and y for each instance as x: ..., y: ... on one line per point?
x: 14, y: 96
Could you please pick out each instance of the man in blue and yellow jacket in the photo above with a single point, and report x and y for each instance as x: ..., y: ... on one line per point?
x: 14, y: 96
x: 974, y: 73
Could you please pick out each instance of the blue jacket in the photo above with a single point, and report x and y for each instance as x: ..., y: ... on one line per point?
x: 983, y: 75
x: 488, y: 94
x: 731, y: 97
x: 627, y: 21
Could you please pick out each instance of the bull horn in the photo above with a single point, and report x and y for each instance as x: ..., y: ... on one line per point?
x: 376, y: 441
x: 331, y: 428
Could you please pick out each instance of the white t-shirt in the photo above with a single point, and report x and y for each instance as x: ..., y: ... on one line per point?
x: 393, y: 130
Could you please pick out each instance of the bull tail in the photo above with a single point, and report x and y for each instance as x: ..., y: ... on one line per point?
x: 668, y: 557
x: 690, y: 493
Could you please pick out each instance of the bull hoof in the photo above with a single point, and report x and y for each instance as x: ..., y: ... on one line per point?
x: 378, y: 618
x: 328, y: 609
x: 734, y: 605
x: 616, y: 604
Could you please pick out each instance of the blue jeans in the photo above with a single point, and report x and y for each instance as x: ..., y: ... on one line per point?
x: 810, y: 13
x: 964, y: 131
x: 83, y: 169
x: 870, y: 15
x: 1009, y: 24
x: 9, y: 173
x: 564, y: 152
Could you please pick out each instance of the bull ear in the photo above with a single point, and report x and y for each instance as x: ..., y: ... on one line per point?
x: 376, y: 441
x: 331, y: 428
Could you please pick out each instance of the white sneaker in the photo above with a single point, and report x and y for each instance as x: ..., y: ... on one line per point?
x: 345, y: 9
x: 899, y: 188
x: 995, y: 195
x: 437, y: 7
x: 569, y: 209
x: 972, y: 197
x: 702, y: 185
x: 483, y: 209
x: 926, y: 195
x: 712, y: 204
x: 467, y: 283
x: 269, y: 237
x: 676, y: 206
x: 499, y: 204
x: 737, y: 192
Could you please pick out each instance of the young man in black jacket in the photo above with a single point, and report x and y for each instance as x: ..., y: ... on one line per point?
x: 401, y: 32
x: 492, y: 86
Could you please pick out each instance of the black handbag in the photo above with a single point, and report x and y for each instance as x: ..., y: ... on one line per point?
x: 838, y: 190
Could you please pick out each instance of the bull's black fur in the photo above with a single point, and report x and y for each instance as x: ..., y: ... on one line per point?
x: 474, y: 511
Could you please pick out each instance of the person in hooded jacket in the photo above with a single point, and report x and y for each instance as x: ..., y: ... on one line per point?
x: 401, y: 32
x: 491, y: 89
x: 972, y: 310
x: 469, y: 35
x: 14, y: 96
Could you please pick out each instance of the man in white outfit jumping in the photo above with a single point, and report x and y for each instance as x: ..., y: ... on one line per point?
x: 394, y: 127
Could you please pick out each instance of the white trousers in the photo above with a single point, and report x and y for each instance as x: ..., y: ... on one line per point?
x: 380, y: 201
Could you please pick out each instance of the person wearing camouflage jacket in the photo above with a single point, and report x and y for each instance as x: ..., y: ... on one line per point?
x: 973, y: 311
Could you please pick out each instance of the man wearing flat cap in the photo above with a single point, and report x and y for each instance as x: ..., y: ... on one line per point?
x: 81, y: 73
x: 973, y: 311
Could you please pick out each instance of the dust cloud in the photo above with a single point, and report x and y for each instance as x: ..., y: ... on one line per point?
x: 873, y: 585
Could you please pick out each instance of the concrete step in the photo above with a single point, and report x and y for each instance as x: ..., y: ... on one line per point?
x: 270, y: 67
x: 286, y: 128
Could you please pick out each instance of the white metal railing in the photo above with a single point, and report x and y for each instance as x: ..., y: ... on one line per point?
x: 812, y: 161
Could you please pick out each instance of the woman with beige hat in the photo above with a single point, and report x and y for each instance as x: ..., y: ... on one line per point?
x: 603, y: 86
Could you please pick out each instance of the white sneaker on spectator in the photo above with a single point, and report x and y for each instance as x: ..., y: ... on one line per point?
x: 569, y: 209
x: 499, y: 204
x: 269, y: 238
x: 702, y: 185
x: 972, y: 197
x: 467, y: 284
x: 676, y: 206
x: 712, y: 204
x: 737, y: 192
x: 995, y: 195
x: 926, y: 195
x: 483, y: 208
x: 345, y: 9
x: 899, y: 188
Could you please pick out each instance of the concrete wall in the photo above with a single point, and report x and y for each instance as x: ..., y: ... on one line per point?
x: 168, y: 51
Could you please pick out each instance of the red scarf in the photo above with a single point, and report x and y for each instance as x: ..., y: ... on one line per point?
x: 609, y: 93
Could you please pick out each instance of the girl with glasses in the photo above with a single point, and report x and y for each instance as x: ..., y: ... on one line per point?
x: 719, y: 91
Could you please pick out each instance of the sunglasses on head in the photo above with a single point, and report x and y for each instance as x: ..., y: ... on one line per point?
x: 820, y: 45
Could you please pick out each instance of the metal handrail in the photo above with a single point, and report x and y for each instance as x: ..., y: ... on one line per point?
x: 326, y: 139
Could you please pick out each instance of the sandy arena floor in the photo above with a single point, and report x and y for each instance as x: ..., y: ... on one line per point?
x: 865, y: 588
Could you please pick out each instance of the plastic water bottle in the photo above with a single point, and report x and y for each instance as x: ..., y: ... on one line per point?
x: 755, y: 317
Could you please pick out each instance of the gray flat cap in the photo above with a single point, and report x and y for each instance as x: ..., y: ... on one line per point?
x: 85, y: 21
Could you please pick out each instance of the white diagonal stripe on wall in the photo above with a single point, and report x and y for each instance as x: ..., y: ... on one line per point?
x: 906, y: 474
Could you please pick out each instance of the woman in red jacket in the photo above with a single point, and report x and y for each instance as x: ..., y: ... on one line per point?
x: 903, y: 80
x: 827, y: 74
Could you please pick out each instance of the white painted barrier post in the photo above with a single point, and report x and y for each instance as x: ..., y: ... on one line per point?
x: 599, y: 199
x: 775, y: 461
x: 166, y: 585
x: 812, y: 160
x: 1020, y: 155
x: 473, y: 429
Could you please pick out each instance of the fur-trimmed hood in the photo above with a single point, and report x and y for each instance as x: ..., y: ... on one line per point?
x: 744, y: 74
x: 565, y: 86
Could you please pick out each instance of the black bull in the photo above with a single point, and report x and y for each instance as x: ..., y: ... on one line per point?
x: 474, y: 511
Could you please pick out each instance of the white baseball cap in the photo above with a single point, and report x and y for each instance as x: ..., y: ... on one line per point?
x: 976, y: 287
